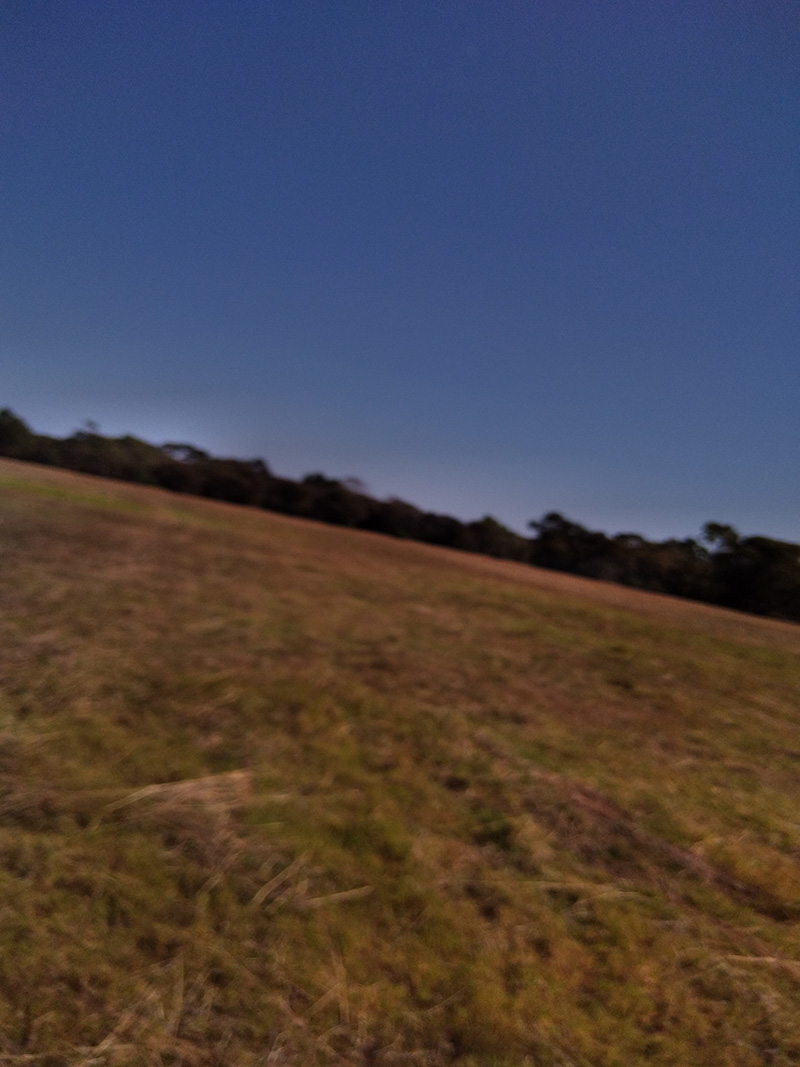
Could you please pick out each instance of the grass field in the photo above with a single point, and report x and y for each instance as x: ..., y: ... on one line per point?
x: 279, y: 793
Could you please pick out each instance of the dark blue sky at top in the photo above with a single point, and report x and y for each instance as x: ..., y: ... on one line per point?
x: 500, y: 257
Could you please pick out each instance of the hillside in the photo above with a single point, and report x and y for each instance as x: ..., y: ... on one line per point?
x: 280, y: 793
x: 752, y: 573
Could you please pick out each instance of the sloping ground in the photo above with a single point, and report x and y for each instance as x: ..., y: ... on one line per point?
x: 277, y: 793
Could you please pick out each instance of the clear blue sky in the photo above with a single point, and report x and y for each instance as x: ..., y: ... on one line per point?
x: 488, y: 255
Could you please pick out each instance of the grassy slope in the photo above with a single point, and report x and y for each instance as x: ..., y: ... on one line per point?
x: 280, y: 793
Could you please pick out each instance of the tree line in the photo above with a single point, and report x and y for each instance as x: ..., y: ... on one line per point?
x: 753, y: 574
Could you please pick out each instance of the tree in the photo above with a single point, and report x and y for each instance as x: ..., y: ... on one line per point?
x: 722, y: 537
x: 16, y: 437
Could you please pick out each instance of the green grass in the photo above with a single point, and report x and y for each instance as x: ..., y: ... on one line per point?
x: 277, y: 793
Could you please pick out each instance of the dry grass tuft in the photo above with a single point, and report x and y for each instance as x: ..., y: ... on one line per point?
x: 197, y: 812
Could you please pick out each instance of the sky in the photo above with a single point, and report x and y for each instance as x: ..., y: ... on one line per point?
x: 489, y: 256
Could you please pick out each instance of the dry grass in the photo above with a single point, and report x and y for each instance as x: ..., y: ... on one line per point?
x: 274, y: 793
